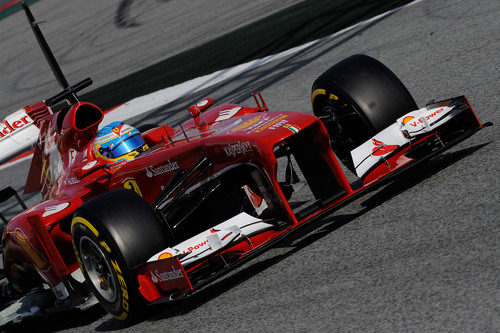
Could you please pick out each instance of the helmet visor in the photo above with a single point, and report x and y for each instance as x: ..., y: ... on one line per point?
x: 127, y: 145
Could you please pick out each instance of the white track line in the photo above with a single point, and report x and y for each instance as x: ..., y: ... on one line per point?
x: 147, y: 103
x: 10, y: 164
x: 159, y: 98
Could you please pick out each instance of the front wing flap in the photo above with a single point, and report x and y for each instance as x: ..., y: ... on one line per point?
x: 163, y: 277
x: 445, y: 121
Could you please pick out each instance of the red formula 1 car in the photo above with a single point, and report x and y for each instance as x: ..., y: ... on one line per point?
x: 153, y: 215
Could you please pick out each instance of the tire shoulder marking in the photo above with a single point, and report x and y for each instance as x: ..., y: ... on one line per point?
x: 86, y: 223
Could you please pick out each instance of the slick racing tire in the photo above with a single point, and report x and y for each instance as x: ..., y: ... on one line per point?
x: 112, y: 234
x: 356, y: 99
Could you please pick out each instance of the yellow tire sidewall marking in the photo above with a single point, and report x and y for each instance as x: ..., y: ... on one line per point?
x: 123, y: 288
x: 116, y: 267
x: 105, y: 246
x: 316, y: 93
x: 86, y: 223
x: 334, y: 97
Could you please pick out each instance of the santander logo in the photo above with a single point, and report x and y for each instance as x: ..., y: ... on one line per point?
x: 9, y: 126
x: 381, y: 148
x: 160, y: 170
x: 157, y: 276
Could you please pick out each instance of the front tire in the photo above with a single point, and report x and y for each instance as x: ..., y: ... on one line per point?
x: 356, y: 99
x: 112, y: 234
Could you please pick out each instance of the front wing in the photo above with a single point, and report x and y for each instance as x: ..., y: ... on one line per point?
x: 417, y: 136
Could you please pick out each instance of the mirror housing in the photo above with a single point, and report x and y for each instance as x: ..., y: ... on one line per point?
x: 82, y: 116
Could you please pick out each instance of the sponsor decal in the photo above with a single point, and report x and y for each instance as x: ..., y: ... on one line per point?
x: 71, y: 156
x: 7, y: 127
x: 239, y: 148
x: 407, y: 119
x: 104, y: 138
x: 119, y: 130
x: 196, y: 247
x: 165, y: 255
x: 294, y: 129
x: 168, y: 275
x: 226, y: 114
x: 174, y: 274
x: 273, y: 124
x: 89, y: 165
x: 211, y: 240
x: 72, y: 181
x: 279, y: 124
x: 55, y: 209
x: 265, y: 123
x: 224, y: 127
x: 429, y: 116
x: 381, y: 148
x: 60, y: 291
x: 160, y: 170
x: 246, y: 123
x: 117, y: 165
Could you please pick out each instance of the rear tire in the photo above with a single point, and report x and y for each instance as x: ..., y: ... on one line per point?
x: 356, y: 99
x: 112, y: 234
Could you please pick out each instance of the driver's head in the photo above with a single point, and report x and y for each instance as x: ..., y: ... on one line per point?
x: 119, y: 141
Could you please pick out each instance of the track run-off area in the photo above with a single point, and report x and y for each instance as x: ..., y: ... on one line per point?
x: 419, y: 254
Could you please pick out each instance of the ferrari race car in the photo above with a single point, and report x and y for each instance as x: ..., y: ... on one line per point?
x: 147, y: 215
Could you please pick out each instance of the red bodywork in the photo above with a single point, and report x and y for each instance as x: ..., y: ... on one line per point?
x: 37, y: 242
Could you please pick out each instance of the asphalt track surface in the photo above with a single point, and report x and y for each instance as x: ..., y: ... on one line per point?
x: 421, y: 254
x: 110, y: 39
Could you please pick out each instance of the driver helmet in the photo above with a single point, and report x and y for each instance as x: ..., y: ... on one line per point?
x: 118, y: 142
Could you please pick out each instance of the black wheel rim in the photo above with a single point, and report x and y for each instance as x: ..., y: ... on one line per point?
x: 98, y: 269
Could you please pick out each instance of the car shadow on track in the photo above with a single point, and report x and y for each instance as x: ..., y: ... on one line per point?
x: 71, y: 319
x: 254, y: 80
x: 296, y: 241
x: 302, y: 238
